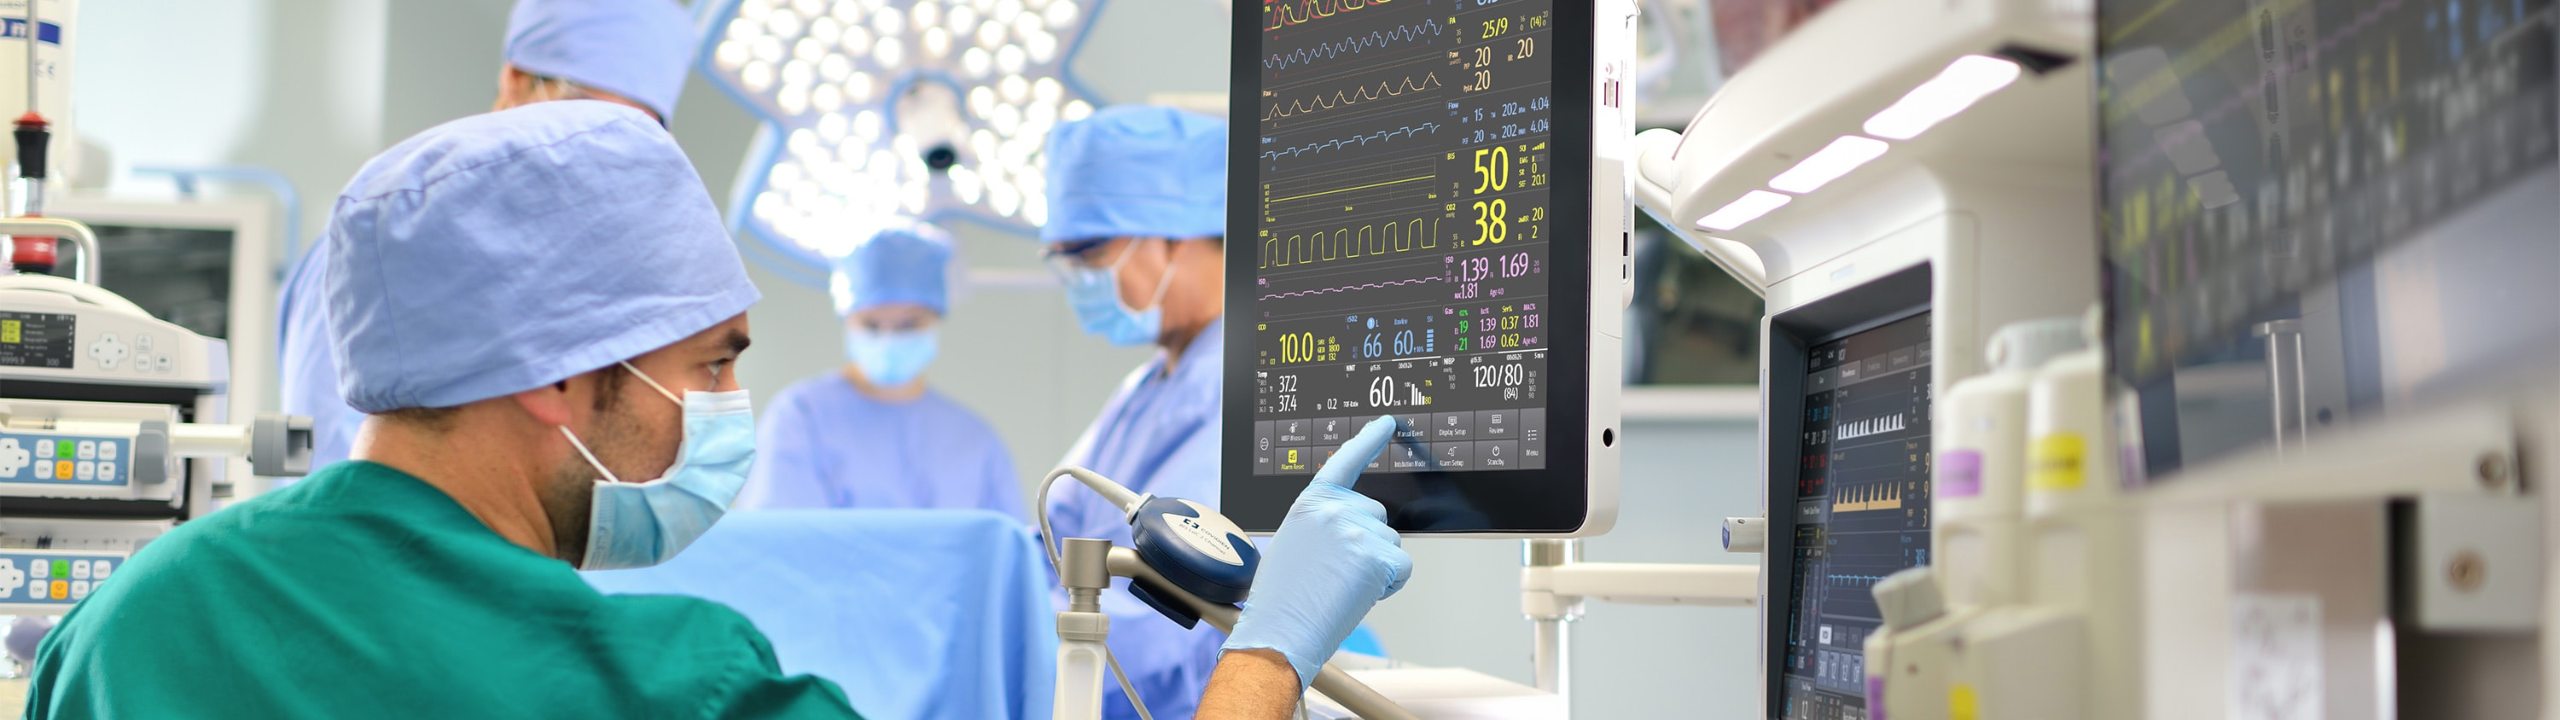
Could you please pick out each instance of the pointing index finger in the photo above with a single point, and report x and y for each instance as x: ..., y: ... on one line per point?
x: 1345, y: 466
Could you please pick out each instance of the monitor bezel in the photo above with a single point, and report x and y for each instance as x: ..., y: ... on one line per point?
x: 1788, y: 339
x: 1552, y: 501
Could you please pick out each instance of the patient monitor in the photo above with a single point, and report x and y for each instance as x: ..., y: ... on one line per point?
x: 1429, y: 219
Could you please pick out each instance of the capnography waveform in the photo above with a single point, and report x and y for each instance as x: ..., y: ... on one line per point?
x: 1353, y: 45
x: 1357, y: 140
x: 1365, y: 93
x: 1287, y: 13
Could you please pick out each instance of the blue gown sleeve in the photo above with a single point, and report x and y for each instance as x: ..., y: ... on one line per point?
x: 789, y: 471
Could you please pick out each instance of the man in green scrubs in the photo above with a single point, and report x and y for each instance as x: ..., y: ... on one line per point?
x: 540, y: 311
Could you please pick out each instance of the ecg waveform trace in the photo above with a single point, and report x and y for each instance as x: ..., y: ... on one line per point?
x: 1394, y: 236
x: 1870, y: 426
x: 1280, y: 15
x: 1355, y: 140
x: 1341, y: 98
x: 1353, y: 45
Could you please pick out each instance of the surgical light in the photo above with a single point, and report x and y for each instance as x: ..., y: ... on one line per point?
x: 1964, y: 82
x: 1828, y: 164
x: 856, y: 95
x: 1749, y: 207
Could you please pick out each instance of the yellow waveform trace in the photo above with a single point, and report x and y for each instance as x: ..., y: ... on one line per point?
x: 1379, y: 238
x: 1365, y: 93
x: 1286, y: 14
x: 1868, y: 497
x: 1351, y: 189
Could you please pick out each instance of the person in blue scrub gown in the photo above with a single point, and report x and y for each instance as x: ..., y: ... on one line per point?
x: 618, y: 51
x: 872, y: 435
x: 1138, y: 211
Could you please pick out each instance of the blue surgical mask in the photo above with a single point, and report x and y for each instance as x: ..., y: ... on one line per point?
x: 637, y: 525
x: 1095, y: 296
x: 890, y: 359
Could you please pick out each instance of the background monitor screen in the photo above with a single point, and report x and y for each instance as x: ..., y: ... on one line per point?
x: 2321, y: 209
x: 182, y: 275
x: 1401, y: 264
x: 1860, y: 508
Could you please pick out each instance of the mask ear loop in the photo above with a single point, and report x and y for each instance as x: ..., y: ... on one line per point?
x: 589, y: 454
x: 1163, y: 283
x: 591, y: 457
x: 653, y: 384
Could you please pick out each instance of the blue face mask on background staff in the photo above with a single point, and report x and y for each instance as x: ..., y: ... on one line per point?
x: 891, y: 358
x: 637, y: 525
x: 1095, y: 296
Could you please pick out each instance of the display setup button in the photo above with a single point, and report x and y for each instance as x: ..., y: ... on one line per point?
x: 1453, y: 426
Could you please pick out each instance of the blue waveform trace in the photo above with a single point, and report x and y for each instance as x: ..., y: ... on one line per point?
x: 1353, y: 45
x: 1408, y: 131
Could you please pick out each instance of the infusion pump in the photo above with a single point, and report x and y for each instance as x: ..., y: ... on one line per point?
x: 114, y: 427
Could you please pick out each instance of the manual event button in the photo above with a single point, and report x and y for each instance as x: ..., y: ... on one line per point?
x: 1413, y: 426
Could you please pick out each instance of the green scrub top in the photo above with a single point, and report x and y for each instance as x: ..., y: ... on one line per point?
x: 365, y: 592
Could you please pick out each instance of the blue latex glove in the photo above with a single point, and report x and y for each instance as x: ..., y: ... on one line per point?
x: 1332, y: 559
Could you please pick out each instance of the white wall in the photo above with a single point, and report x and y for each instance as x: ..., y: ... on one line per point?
x: 294, y: 86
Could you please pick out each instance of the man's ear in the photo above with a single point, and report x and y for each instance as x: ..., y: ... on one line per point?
x: 513, y: 85
x: 549, y: 404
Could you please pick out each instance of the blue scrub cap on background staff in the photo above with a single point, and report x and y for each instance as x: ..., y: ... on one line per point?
x: 638, y: 49
x: 906, y: 263
x: 1137, y: 170
x: 507, y: 251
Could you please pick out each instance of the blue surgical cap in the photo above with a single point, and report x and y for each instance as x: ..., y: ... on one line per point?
x: 638, y: 49
x: 907, y: 263
x: 511, y: 250
x: 1136, y: 170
